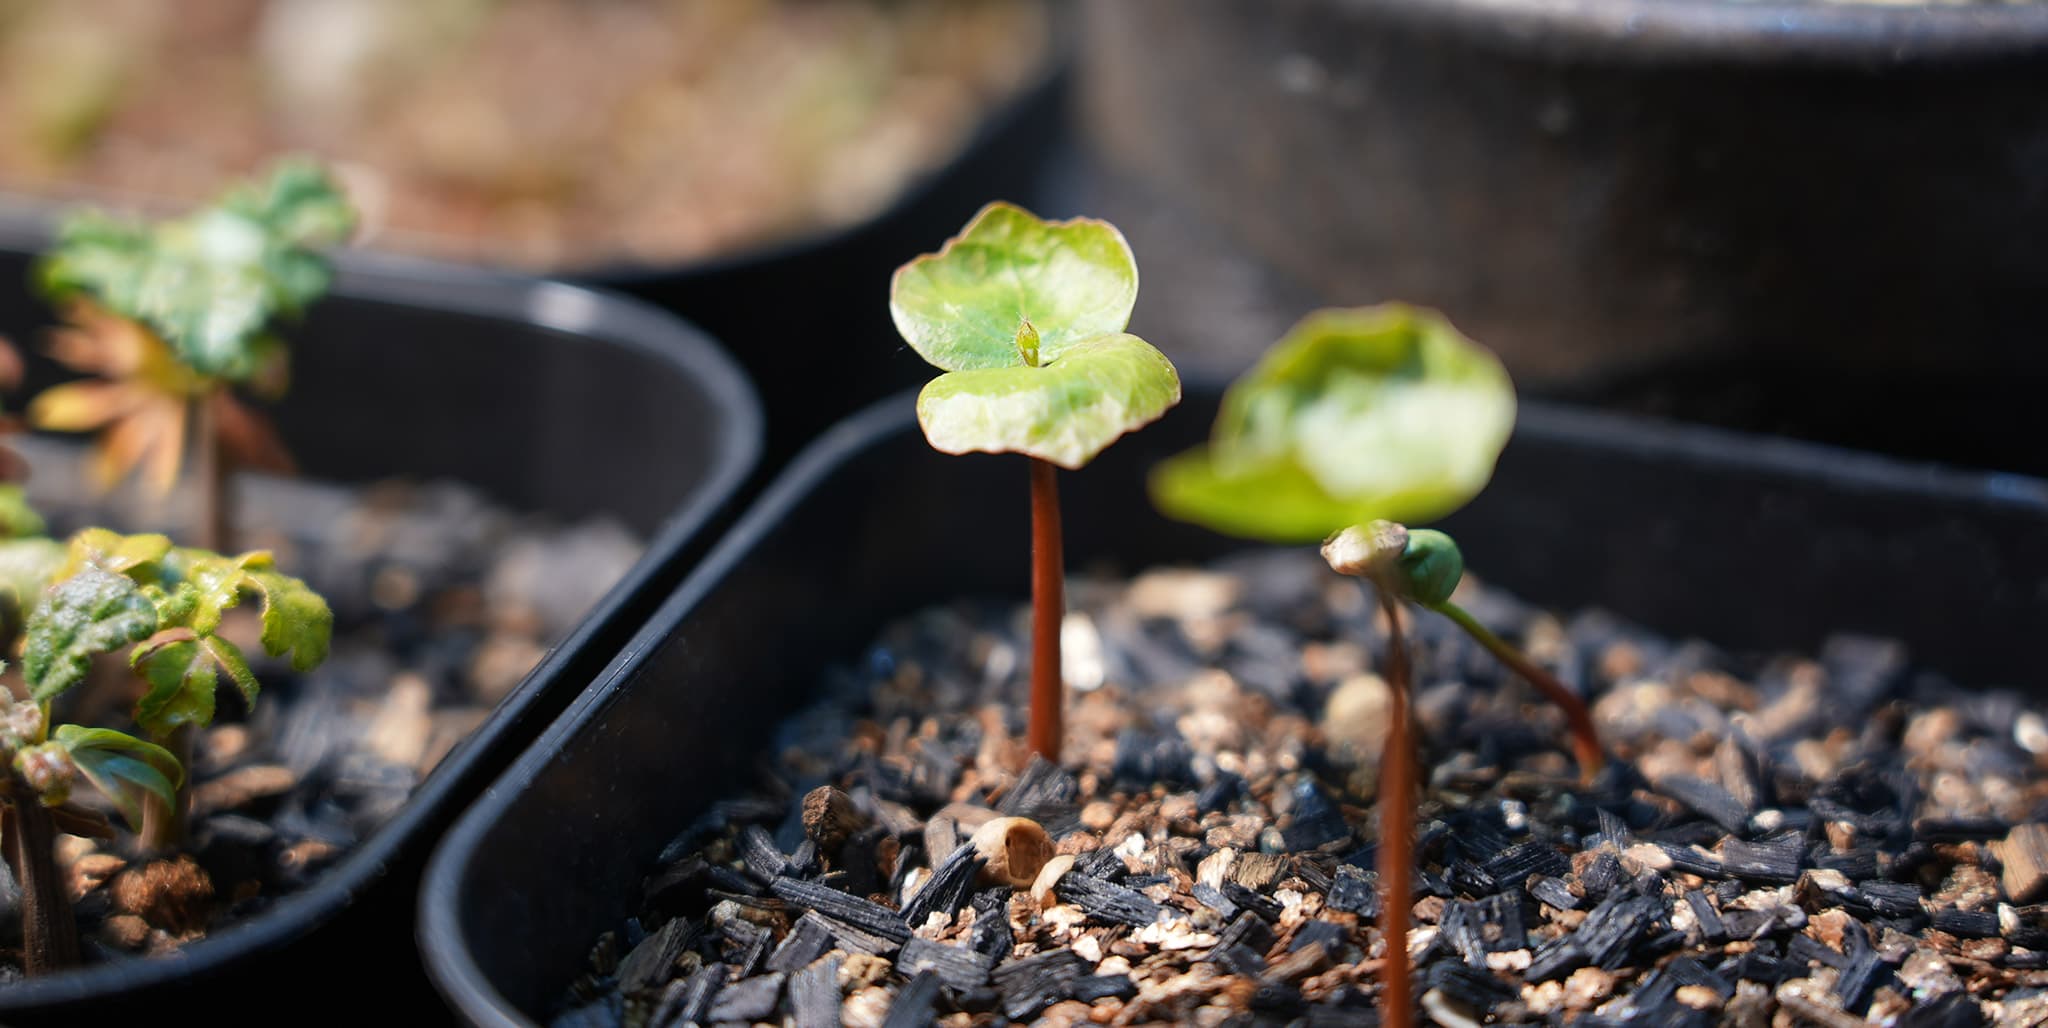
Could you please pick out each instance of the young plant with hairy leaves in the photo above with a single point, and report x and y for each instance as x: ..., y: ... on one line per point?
x: 103, y: 593
x: 173, y: 316
x: 171, y: 602
x: 1374, y: 415
x: 1026, y: 318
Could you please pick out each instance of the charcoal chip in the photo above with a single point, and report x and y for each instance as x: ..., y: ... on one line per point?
x: 1967, y: 924
x: 1356, y: 894
x: 1104, y: 986
x: 912, y: 1007
x: 1030, y: 984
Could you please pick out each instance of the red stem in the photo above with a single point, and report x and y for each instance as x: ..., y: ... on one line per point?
x: 214, y: 528
x: 1048, y: 605
x: 1585, y: 738
x: 1397, y: 828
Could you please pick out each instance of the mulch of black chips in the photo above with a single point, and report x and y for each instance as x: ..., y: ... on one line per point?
x: 1831, y: 839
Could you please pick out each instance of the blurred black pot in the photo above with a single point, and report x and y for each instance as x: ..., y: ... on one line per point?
x: 809, y: 320
x: 551, y: 399
x: 1821, y: 218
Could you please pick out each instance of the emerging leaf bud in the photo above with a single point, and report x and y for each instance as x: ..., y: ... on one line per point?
x: 1431, y: 567
x: 1366, y: 551
x: 47, y: 768
x: 1027, y: 342
x: 21, y: 724
x: 1420, y: 564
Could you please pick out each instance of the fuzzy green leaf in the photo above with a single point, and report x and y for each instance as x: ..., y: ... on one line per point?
x: 1291, y: 505
x: 183, y: 672
x: 94, y: 611
x: 296, y: 620
x: 228, y: 657
x: 123, y: 767
x: 1027, y: 318
x: 1065, y: 412
x: 213, y: 584
x: 961, y: 308
x: 112, y: 551
x: 201, y: 586
x: 1361, y: 414
x: 26, y: 568
x: 17, y: 518
x: 211, y: 283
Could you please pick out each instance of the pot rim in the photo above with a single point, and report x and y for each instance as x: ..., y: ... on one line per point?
x: 1784, y: 33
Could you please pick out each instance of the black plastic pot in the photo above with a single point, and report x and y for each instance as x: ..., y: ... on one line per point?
x: 1788, y: 215
x: 549, y: 398
x: 1746, y: 541
x: 809, y: 319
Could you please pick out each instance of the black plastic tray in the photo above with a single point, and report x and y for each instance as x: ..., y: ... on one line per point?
x: 547, y: 397
x: 1750, y: 542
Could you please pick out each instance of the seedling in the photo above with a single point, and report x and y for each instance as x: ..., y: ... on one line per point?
x: 164, y: 605
x: 1026, y: 318
x: 1373, y: 415
x: 173, y: 316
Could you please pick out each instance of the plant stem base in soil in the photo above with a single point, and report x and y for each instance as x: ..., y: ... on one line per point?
x: 49, y: 931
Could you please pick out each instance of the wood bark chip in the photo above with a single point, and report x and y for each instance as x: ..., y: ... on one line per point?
x: 830, y: 818
x: 2025, y: 854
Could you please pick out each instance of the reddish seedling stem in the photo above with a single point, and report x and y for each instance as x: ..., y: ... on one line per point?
x: 212, y: 530
x: 163, y: 827
x: 1048, y: 606
x: 1585, y: 740
x: 49, y: 930
x: 1397, y: 828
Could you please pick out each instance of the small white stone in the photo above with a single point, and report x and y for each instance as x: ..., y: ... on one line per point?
x: 2031, y: 732
x: 1514, y: 814
x: 1514, y: 960
x: 1081, y: 661
x: 1088, y: 948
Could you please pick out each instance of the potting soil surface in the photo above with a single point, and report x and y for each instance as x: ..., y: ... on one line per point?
x: 443, y: 602
x: 1786, y: 839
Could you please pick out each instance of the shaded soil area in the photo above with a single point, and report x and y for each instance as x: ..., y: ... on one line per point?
x: 1814, y: 839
